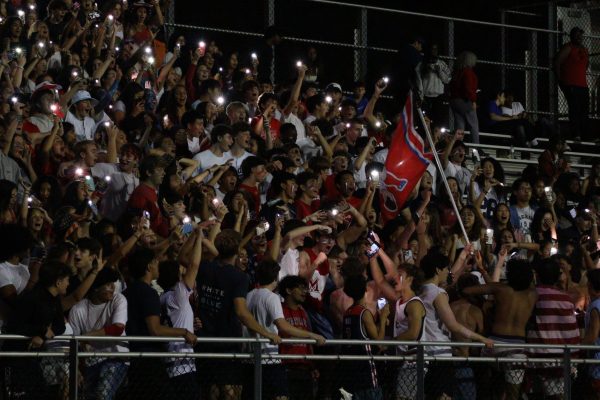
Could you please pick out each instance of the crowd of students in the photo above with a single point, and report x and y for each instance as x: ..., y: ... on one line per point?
x: 156, y: 186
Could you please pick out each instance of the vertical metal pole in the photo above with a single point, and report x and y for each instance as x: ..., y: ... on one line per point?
x: 270, y: 12
x: 257, y: 371
x: 567, y: 373
x: 170, y: 19
x: 420, y: 372
x: 271, y: 22
x: 503, y: 49
x: 533, y: 46
x: 450, y: 44
x: 450, y: 33
x: 527, y: 80
x: 73, y: 369
x: 356, y: 54
x: 552, y: 38
x: 364, y: 25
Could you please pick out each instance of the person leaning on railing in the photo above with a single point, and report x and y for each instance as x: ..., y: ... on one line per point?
x: 102, y: 313
x: 39, y: 315
x: 147, y: 375
x: 440, y: 319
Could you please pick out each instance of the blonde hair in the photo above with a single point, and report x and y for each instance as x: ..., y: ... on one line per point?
x: 466, y: 59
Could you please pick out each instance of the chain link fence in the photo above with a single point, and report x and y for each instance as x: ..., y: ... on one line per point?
x: 517, y: 54
x: 365, y: 369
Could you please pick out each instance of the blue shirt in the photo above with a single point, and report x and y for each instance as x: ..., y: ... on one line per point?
x: 493, y: 108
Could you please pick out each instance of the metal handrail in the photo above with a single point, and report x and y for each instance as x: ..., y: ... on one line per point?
x: 352, y: 46
x: 528, y: 150
x: 242, y: 340
x: 446, y: 18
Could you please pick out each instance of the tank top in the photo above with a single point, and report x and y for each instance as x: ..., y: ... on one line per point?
x: 574, y: 67
x: 594, y: 371
x: 360, y: 375
x: 435, y: 330
x: 316, y: 283
x: 401, y: 324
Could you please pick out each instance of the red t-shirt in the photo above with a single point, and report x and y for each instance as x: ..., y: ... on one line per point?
x: 298, y: 319
x: 573, y: 70
x: 303, y: 210
x: 274, y: 126
x: 146, y: 198
x: 464, y: 85
x: 331, y: 191
x: 254, y: 193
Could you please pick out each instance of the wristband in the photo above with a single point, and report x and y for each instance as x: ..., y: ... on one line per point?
x: 416, y: 218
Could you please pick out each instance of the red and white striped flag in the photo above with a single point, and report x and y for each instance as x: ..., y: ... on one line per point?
x: 405, y: 164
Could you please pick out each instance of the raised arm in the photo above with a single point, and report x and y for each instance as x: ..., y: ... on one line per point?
x: 189, y: 279
x: 295, y: 93
x: 370, y: 107
x: 388, y: 291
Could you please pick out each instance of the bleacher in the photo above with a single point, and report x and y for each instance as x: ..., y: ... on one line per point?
x: 580, y: 156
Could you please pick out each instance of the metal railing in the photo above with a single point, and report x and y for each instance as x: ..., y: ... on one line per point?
x: 391, y: 368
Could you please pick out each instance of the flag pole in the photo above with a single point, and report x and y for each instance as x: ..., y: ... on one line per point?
x: 439, y: 165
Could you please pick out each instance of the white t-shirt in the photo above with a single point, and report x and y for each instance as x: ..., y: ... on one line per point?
x: 308, y: 120
x: 86, y: 317
x: 294, y: 120
x: 265, y: 306
x: 207, y: 159
x: 84, y: 129
x: 360, y: 176
x: 290, y: 263
x: 179, y: 314
x: 15, y: 275
x: 237, y: 161
x: 516, y: 109
x: 434, y: 329
x: 193, y: 145
x: 525, y: 219
x: 120, y: 187
x: 309, y: 148
x: 490, y: 201
x: 460, y: 173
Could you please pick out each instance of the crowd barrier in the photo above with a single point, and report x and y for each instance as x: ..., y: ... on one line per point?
x: 70, y: 371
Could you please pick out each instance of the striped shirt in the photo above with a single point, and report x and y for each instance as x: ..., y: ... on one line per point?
x: 553, y: 321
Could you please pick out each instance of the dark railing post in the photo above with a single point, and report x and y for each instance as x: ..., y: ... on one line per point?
x: 257, y: 370
x: 420, y: 372
x: 73, y: 368
x: 567, y: 373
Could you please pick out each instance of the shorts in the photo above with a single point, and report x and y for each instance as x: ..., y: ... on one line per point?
x: 439, y: 379
x: 222, y: 371
x: 275, y: 382
x: 513, y: 372
x: 466, y: 389
x: 406, y: 384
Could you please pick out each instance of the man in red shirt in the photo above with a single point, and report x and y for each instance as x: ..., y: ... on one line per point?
x: 571, y: 66
x: 346, y: 185
x: 255, y: 172
x: 265, y: 122
x: 308, y: 202
x: 301, y: 373
x: 145, y: 196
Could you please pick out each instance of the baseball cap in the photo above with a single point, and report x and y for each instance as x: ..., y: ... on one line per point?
x: 333, y: 86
